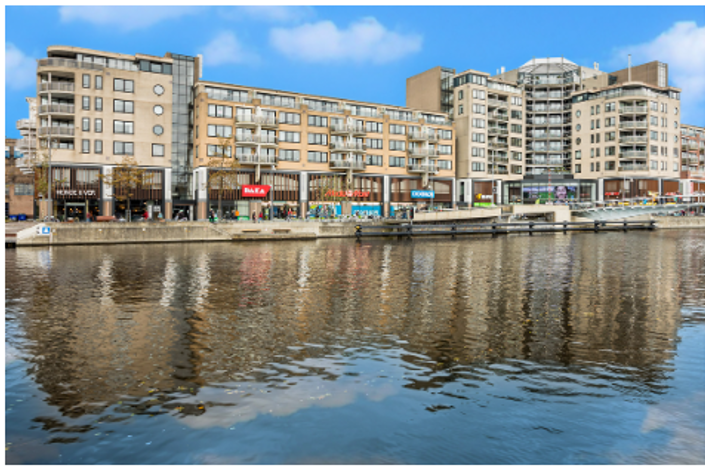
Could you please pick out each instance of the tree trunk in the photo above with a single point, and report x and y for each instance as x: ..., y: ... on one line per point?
x: 129, y: 211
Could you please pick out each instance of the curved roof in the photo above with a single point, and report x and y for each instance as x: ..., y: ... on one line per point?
x: 548, y: 66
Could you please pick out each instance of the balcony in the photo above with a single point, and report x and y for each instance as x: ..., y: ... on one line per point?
x: 498, y: 116
x: 347, y: 147
x: 498, y: 171
x: 422, y: 168
x: 497, y: 103
x: 690, y: 159
x: 345, y: 129
x: 66, y: 109
x: 347, y: 165
x: 633, y: 140
x: 497, y: 130
x: 253, y: 139
x: 423, y: 152
x: 498, y: 159
x: 68, y: 63
x: 498, y: 145
x: 633, y: 167
x: 546, y: 161
x: 57, y: 87
x: 257, y: 159
x: 633, y: 124
x: 56, y: 131
x: 26, y: 124
x: 423, y: 136
x: 634, y: 154
x: 256, y: 120
x: 634, y: 109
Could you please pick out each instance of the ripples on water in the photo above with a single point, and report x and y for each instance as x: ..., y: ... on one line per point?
x: 551, y: 349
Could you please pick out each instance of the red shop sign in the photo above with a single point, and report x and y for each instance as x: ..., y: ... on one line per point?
x: 255, y: 190
x: 348, y: 193
x: 612, y: 194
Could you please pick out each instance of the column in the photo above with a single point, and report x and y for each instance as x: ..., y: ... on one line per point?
x: 107, y: 192
x: 168, y: 202
x: 386, y: 188
x: 601, y: 189
x: 303, y: 194
x: 498, y: 191
x: 200, y: 180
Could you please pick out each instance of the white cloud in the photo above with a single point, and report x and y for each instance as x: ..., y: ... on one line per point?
x: 125, y: 18
x: 683, y: 48
x: 225, y: 48
x: 363, y: 41
x: 20, y: 70
x: 278, y: 14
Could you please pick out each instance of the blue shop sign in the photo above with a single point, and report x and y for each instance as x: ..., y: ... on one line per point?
x: 416, y: 194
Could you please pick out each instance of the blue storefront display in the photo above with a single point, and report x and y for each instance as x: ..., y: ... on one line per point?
x: 366, y: 210
x: 420, y: 194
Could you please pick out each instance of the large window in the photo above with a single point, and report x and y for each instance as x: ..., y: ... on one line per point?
x: 445, y: 165
x: 23, y: 189
x: 320, y: 121
x: 397, y: 129
x: 478, y: 137
x: 445, y: 134
x: 123, y: 148
x: 397, y: 145
x: 396, y: 161
x: 289, y: 136
x: 86, y: 146
x: 375, y: 144
x: 317, y: 156
x: 157, y: 150
x: 219, y: 151
x: 289, y: 155
x: 98, y: 125
x: 123, y: 85
x: 220, y: 131
x: 220, y: 111
x: 86, y: 81
x: 374, y: 127
x: 318, y: 139
x: 99, y: 82
x: 98, y: 104
x: 445, y: 150
x: 86, y: 103
x: 478, y: 166
x: 516, y: 114
x: 290, y: 118
x: 98, y: 146
x: 123, y: 106
x: 375, y: 160
x: 478, y: 151
x: 86, y: 124
x: 123, y: 127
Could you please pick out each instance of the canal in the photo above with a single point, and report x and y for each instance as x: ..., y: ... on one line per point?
x: 583, y: 348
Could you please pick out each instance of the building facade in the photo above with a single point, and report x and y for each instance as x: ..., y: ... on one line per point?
x: 692, y: 160
x: 19, y: 186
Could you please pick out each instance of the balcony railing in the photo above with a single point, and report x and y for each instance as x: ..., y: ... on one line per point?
x: 633, y: 167
x: 257, y: 159
x: 68, y: 63
x: 544, y: 161
x: 57, y: 108
x: 633, y: 124
x: 641, y: 154
x: 497, y: 116
x: 498, y: 145
x: 256, y: 139
x: 347, y: 165
x: 422, y: 168
x: 495, y: 130
x: 497, y: 103
x: 423, y: 152
x: 347, y: 129
x: 347, y: 147
x: 498, y: 159
x: 57, y: 86
x: 423, y: 136
x: 56, y: 131
x: 637, y: 109
x: 498, y: 171
x: 633, y: 140
x: 26, y: 123
x: 260, y: 120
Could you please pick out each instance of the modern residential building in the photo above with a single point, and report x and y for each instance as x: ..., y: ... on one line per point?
x: 549, y: 89
x: 692, y: 159
x: 19, y: 186
x: 96, y: 108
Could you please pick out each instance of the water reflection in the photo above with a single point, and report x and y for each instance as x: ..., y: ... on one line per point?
x: 217, y: 335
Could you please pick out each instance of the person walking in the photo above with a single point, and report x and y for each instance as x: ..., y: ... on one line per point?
x: 261, y: 216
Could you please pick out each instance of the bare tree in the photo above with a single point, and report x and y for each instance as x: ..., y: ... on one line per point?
x: 223, y: 170
x: 125, y: 179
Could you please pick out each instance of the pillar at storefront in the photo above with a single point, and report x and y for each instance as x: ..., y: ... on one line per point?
x: 303, y: 194
x: 168, y: 202
x: 601, y: 189
x: 200, y: 180
x: 386, y: 189
x: 106, y: 201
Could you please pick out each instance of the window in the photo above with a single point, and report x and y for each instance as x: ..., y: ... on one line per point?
x: 611, y: 121
x: 157, y: 150
x: 445, y: 165
x: 123, y: 127
x: 375, y: 144
x: 123, y: 106
x: 460, y: 110
x: 86, y: 81
x: 578, y: 154
x: 99, y: 82
x: 611, y: 150
x: 592, y: 153
x: 98, y: 104
x: 654, y: 135
x: 675, y: 124
x: 219, y: 151
x: 611, y: 136
x: 289, y: 136
x: 578, y: 141
x: 517, y: 101
x: 289, y: 118
x: 478, y: 94
x: 477, y: 108
x: 317, y: 157
x: 609, y: 165
x: 460, y: 95
x: 478, y: 166
x: 289, y: 155
x: 597, y: 109
x: 592, y: 124
x: 220, y: 131
x: 597, y: 166
x: 516, y: 114
x: 675, y: 138
x: 478, y: 151
x: 396, y: 161
x: 445, y: 134
x: 158, y: 130
x: 123, y: 85
x: 610, y: 107
x: 597, y: 152
x: 516, y: 156
x: 98, y: 125
x: 654, y: 165
x: 445, y: 150
x: 675, y: 166
x: 577, y: 114
x: 375, y: 160
x: 86, y: 124
x: 478, y: 137
x: 22, y: 189
x: 654, y: 106
x: 86, y: 146
x: 318, y: 139
x: 478, y: 123
x: 577, y: 127
x: 516, y: 142
x: 374, y: 127
x: 516, y: 169
x: 578, y: 168
x: 86, y: 102
x: 397, y: 129
x: 315, y: 120
x: 397, y: 145
x: 158, y: 89
x: 516, y: 129
x: 98, y: 146
x: 592, y: 166
x: 592, y: 110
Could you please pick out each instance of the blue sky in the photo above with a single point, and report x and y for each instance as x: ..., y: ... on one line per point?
x: 359, y: 52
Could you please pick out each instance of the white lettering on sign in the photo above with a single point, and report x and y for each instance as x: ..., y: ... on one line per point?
x: 75, y: 192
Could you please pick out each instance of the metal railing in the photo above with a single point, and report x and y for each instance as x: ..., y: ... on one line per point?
x: 57, y: 86
x: 423, y: 136
x: 635, y: 167
x: 633, y: 140
x: 57, y: 130
x: 68, y: 63
x: 633, y: 153
x: 494, y: 130
x: 422, y: 168
x: 634, y: 109
x: 257, y: 159
x: 633, y: 124
x: 498, y: 145
x: 348, y: 146
x: 347, y: 164
x: 57, y: 108
x: 497, y: 116
x: 256, y: 139
x: 26, y: 123
x: 345, y: 128
x: 423, y: 152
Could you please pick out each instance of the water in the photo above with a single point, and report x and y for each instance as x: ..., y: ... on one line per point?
x: 552, y: 349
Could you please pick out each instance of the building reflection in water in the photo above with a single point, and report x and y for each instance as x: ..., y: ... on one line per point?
x: 188, y: 328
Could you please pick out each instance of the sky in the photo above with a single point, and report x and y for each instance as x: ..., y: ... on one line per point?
x: 361, y: 52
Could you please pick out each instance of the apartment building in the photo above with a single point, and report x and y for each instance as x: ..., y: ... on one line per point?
x: 377, y: 157
x: 627, y: 137
x: 692, y: 159
x: 95, y: 108
x: 19, y: 186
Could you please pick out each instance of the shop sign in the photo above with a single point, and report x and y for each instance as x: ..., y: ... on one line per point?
x: 348, y: 193
x: 483, y: 196
x: 75, y: 192
x: 419, y: 194
x: 255, y: 190
x: 44, y: 230
x: 612, y: 193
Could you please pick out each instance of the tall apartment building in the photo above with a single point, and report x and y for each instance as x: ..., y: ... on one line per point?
x: 19, y: 186
x: 549, y: 89
x: 95, y: 108
x: 692, y: 159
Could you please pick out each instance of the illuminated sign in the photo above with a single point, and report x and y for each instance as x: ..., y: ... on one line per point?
x: 418, y: 194
x: 75, y: 192
x: 255, y: 190
x: 348, y: 193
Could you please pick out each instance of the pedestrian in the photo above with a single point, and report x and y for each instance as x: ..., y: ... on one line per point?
x: 145, y: 215
x: 237, y: 215
x: 261, y: 217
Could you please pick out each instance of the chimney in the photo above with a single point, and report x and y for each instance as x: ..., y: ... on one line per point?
x: 629, y: 73
x: 502, y: 69
x: 597, y: 66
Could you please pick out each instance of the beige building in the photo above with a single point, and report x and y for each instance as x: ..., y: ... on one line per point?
x: 692, y: 159
x: 375, y: 155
